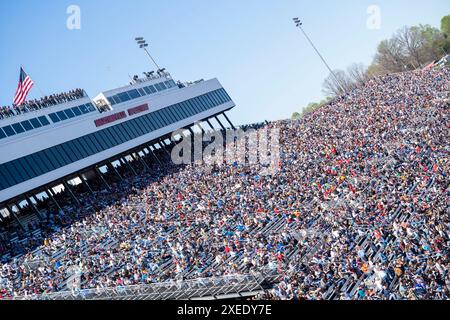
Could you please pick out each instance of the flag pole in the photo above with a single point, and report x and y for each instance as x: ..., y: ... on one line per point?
x: 37, y: 87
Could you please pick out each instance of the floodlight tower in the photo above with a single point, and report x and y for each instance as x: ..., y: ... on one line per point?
x: 299, y: 24
x: 143, y: 45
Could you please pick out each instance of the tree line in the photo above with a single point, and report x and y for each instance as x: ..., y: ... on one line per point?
x: 409, y: 48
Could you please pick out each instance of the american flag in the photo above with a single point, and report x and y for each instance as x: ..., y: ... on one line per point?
x: 24, y: 86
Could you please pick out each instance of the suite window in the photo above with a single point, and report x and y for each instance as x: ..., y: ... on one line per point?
x: 169, y: 115
x: 34, y: 167
x: 46, y: 155
x: 5, y: 173
x: 146, y: 123
x: 209, y: 103
x: 54, y: 156
x: 147, y: 90
x: 24, y: 171
x: 111, y: 100
x: 13, y: 171
x: 69, y: 113
x: 76, y: 153
x: 100, y: 141
x: 159, y: 119
x: 9, y: 131
x: 123, y: 96
x: 86, y: 145
x: 141, y: 125
x: 35, y: 123
x: 44, y: 121
x: 36, y: 158
x: 134, y: 94
x: 193, y: 106
x: 61, y: 115
x: 84, y: 109
x: 112, y: 133
x: 77, y: 145
x: 105, y: 139
x: 149, y: 118
x: 54, y: 117
x: 141, y: 92
x: 92, y: 144
x: 158, y: 87
x: 68, y: 152
x: 177, y: 113
x: 76, y: 111
x: 90, y: 107
x: 189, y: 109
x: 215, y: 98
x: 60, y: 151
x: 3, y: 184
x: 18, y: 128
x: 140, y: 130
x: 131, y: 131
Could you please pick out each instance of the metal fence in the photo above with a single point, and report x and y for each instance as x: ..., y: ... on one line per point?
x: 230, y: 286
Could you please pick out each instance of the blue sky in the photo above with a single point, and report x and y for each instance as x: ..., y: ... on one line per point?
x: 251, y: 46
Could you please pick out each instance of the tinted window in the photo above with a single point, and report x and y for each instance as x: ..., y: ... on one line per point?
x: 134, y: 94
x: 27, y: 125
x: 83, y: 109
x: 123, y: 96
x: 2, y: 134
x: 147, y: 90
x: 158, y: 87
x: 141, y: 92
x: 28, y: 173
x: 111, y: 100
x: 7, y: 175
x: 34, y: 167
x: 13, y: 173
x: 76, y: 111
x: 193, y: 107
x: 90, y: 107
x: 69, y: 152
x: 54, y: 117
x: 56, y: 158
x: 9, y: 131
x: 175, y: 112
x: 62, y: 115
x: 116, y: 99
x: 62, y: 154
x: 69, y: 113
x: 44, y: 121
x: 18, y: 128
x: 36, y: 158
x: 35, y: 123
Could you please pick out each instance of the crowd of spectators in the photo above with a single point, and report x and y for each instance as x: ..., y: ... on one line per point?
x: 357, y: 210
x: 45, y: 102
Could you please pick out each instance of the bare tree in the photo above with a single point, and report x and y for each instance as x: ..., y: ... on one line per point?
x: 337, y: 84
x: 357, y: 72
x: 412, y: 42
x: 391, y: 57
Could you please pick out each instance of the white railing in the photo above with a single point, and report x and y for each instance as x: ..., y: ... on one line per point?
x: 173, y: 289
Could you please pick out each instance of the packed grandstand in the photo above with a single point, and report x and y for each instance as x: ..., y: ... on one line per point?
x: 357, y: 210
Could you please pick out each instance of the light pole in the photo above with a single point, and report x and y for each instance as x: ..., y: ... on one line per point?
x: 143, y: 45
x: 299, y: 24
